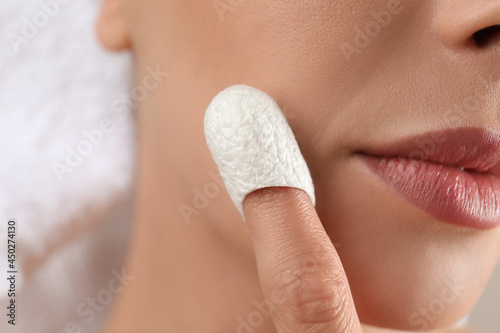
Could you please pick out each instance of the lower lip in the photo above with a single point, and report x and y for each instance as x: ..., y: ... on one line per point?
x: 468, y: 199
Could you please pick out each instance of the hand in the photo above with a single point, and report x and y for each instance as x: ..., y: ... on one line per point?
x: 300, y: 272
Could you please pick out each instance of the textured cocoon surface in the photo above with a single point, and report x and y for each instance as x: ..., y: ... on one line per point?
x: 253, y: 145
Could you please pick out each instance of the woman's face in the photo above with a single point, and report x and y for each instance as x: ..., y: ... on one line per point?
x: 350, y: 76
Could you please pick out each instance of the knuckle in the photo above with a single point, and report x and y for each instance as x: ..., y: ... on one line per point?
x: 317, y: 294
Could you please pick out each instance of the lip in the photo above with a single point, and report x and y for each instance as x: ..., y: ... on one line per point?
x: 454, y: 175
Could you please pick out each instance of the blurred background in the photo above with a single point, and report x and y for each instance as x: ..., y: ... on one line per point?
x: 67, y: 165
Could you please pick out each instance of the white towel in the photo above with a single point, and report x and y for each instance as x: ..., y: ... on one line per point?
x: 57, y: 89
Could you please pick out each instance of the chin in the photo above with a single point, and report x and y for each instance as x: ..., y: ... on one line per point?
x: 407, y: 269
x: 418, y: 309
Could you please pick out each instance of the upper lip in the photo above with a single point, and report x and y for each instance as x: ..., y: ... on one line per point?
x: 473, y: 149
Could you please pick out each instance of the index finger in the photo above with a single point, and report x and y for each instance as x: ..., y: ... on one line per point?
x: 269, y: 182
x: 301, y: 274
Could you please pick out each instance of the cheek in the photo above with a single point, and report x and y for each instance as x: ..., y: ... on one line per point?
x: 295, y: 51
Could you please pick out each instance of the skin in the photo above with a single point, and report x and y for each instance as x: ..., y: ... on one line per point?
x: 198, y: 272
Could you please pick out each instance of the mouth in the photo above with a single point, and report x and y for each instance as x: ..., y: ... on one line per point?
x: 454, y: 175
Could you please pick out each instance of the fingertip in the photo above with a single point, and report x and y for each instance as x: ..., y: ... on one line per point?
x: 253, y: 145
x: 276, y: 198
x: 272, y: 210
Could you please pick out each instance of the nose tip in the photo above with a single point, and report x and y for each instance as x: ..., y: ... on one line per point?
x: 466, y: 23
